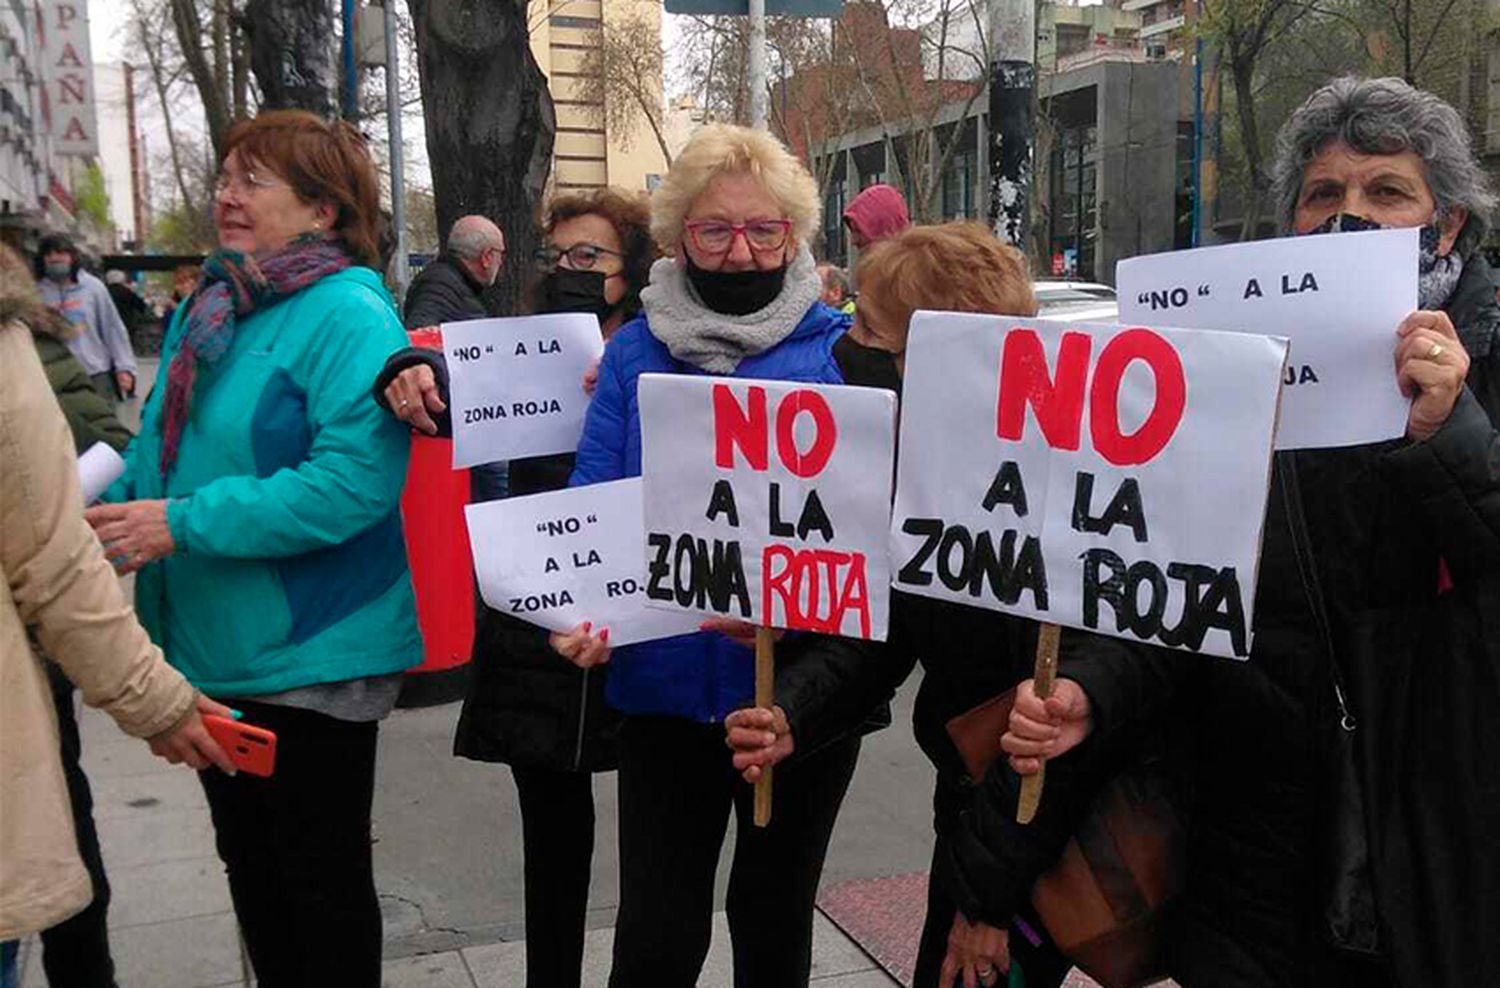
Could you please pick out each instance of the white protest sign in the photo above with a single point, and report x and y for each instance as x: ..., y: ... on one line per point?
x: 517, y: 384
x: 769, y: 501
x: 564, y: 557
x: 98, y: 467
x: 1337, y: 297
x: 1092, y: 476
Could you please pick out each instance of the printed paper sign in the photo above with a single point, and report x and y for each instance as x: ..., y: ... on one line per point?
x: 769, y: 501
x: 1337, y: 297
x: 564, y: 557
x: 517, y: 384
x: 1093, y: 476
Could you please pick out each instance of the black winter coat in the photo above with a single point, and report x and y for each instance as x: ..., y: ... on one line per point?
x: 442, y: 292
x: 1364, y: 529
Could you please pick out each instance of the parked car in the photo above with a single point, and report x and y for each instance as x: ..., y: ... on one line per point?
x: 1081, y: 301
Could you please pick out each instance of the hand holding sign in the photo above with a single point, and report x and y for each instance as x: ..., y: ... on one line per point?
x: 767, y: 503
x: 1431, y: 367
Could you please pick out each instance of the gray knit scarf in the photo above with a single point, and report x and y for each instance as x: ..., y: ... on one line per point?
x: 717, y: 343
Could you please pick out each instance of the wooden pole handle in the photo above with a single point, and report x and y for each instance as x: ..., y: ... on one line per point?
x: 1043, y: 676
x: 765, y: 696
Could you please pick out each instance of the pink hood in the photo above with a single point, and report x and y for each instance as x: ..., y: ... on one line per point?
x: 878, y: 212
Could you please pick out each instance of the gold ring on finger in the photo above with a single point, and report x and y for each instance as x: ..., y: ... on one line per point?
x: 1437, y: 351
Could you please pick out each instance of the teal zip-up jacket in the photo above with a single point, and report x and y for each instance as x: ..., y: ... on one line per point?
x: 284, y: 502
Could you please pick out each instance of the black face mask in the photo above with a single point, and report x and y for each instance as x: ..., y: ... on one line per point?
x: 566, y: 290
x: 736, y: 293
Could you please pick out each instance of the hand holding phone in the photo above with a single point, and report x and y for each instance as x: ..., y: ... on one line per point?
x: 252, y: 749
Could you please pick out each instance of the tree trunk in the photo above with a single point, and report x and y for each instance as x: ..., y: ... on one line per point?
x: 490, y: 125
x: 1243, y: 71
x: 291, y: 53
x: 210, y: 89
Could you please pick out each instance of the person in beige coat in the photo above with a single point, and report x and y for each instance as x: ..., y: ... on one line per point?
x: 57, y: 583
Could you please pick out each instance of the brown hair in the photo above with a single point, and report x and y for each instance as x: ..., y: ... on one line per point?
x: 323, y: 161
x: 955, y: 267
x: 630, y: 215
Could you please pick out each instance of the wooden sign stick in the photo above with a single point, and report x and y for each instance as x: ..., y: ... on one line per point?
x: 1043, y: 677
x: 765, y: 696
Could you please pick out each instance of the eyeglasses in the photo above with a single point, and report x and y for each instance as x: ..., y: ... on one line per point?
x: 250, y: 182
x: 582, y: 256
x: 717, y: 237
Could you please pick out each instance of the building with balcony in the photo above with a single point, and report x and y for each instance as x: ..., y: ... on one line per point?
x: 565, y: 34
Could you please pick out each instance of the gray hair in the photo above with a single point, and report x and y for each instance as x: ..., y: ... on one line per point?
x: 833, y: 275
x: 473, y: 235
x: 1386, y: 116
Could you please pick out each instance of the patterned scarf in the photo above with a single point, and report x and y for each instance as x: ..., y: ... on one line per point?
x: 236, y: 285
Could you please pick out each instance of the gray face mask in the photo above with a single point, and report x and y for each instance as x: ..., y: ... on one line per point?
x: 59, y: 272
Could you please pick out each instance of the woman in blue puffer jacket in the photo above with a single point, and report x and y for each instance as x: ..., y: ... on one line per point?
x: 739, y: 297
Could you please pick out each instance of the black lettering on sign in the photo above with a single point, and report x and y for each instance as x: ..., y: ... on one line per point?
x: 965, y: 562
x: 658, y: 569
x: 621, y: 588
x: 592, y: 559
x: 707, y: 578
x: 915, y: 572
x: 485, y: 413
x: 551, y: 566
x: 548, y: 346
x: 721, y: 502
x: 1139, y: 595
x: 520, y: 349
x: 1299, y: 374
x: 1252, y: 289
x: 1007, y: 488
x: 1124, y: 508
x: 812, y: 519
x: 540, y: 602
x: 1307, y: 284
x: 545, y: 407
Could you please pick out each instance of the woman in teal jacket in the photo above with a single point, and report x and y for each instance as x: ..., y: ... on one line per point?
x: 261, y: 508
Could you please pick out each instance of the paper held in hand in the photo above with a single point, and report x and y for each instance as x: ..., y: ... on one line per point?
x: 564, y: 557
x: 517, y: 384
x: 1093, y: 476
x: 1337, y: 297
x: 768, y: 501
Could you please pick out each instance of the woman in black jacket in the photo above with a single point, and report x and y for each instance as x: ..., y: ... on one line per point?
x: 525, y: 706
x: 969, y: 655
x: 1344, y: 802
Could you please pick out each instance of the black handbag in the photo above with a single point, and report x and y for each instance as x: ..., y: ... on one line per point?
x: 1349, y: 918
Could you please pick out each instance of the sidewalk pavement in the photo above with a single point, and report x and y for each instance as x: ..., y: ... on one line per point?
x: 171, y: 920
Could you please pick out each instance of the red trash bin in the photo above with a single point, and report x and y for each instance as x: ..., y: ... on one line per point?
x: 442, y: 568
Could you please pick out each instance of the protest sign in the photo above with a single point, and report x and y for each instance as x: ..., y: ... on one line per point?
x: 564, y: 557
x: 1337, y: 297
x: 768, y: 501
x: 1093, y: 476
x: 517, y: 384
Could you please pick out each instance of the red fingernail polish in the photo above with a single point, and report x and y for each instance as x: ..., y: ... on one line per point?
x: 604, y: 635
x: 588, y: 626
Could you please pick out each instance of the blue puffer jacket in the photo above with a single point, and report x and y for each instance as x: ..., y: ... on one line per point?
x: 701, y: 676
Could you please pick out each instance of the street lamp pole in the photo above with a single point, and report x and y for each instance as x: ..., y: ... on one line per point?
x: 1012, y: 136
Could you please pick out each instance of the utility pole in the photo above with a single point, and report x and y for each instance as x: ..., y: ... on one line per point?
x: 759, y: 110
x: 349, y: 78
x: 137, y: 204
x: 1012, y: 130
x: 398, y: 179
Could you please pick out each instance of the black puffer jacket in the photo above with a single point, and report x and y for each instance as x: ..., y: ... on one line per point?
x: 441, y: 292
x: 1365, y: 529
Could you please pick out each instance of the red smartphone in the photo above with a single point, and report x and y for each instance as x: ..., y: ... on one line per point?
x: 252, y: 749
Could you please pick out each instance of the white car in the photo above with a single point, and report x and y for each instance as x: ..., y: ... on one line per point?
x: 1081, y: 301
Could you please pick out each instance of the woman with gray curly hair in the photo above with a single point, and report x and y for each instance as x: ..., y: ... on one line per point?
x: 1342, y: 802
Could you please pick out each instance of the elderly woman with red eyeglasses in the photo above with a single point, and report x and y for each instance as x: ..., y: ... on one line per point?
x: 739, y: 296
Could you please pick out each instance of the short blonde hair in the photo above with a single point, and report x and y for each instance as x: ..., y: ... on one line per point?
x: 954, y: 267
x: 724, y: 149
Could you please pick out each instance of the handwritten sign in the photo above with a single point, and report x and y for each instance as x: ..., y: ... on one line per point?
x: 769, y: 501
x: 517, y: 384
x: 1094, y: 476
x: 1337, y: 297
x: 564, y: 557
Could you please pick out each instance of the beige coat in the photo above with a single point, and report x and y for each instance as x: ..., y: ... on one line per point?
x: 56, y: 581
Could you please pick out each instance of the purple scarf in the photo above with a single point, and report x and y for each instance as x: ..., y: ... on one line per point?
x: 235, y: 285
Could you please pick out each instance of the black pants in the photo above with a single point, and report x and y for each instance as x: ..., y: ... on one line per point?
x: 557, y: 837
x: 1042, y: 965
x: 676, y: 790
x: 75, y: 952
x: 297, y: 850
